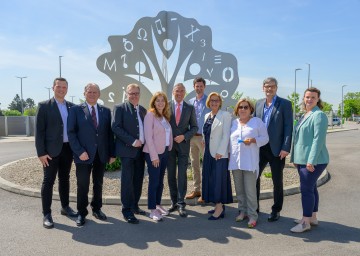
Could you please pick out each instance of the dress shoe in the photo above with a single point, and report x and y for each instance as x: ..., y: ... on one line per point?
x: 274, y: 216
x: 213, y: 210
x: 193, y: 194
x: 162, y: 210
x: 313, y: 222
x: 80, y: 221
x: 299, y: 228
x: 173, y: 208
x: 182, y: 212
x: 99, y: 215
x: 221, y: 216
x: 68, y: 212
x: 131, y: 219
x: 139, y: 211
x: 48, y: 221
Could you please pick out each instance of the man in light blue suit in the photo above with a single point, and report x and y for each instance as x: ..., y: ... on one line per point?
x: 196, y: 146
x: 276, y: 113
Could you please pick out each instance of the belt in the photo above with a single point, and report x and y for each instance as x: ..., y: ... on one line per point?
x: 198, y: 134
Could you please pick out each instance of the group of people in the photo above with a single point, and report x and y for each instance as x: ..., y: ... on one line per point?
x: 165, y: 135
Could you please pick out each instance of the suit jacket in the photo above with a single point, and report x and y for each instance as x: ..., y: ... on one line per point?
x: 220, y: 134
x: 155, y: 136
x: 84, y: 137
x: 204, y: 111
x: 309, y: 142
x: 280, y: 124
x: 125, y: 126
x: 49, y: 132
x: 187, y: 125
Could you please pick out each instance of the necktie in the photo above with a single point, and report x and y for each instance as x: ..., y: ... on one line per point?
x: 93, y: 116
x: 177, y: 114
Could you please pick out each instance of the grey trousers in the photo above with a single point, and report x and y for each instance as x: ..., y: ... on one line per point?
x: 245, y: 187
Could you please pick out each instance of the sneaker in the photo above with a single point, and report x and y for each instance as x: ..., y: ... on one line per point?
x: 155, y: 215
x: 302, y: 227
x: 314, y: 222
x: 162, y: 210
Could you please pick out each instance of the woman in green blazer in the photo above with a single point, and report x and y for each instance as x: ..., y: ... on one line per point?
x: 310, y: 156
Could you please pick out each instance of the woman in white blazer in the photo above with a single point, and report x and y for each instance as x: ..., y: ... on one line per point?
x: 158, y: 143
x: 215, y: 176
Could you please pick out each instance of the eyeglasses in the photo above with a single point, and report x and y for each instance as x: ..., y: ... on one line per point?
x: 133, y: 93
x: 214, y: 101
x: 269, y: 86
x: 244, y: 107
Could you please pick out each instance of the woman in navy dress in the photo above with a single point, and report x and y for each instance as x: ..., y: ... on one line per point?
x: 216, y: 178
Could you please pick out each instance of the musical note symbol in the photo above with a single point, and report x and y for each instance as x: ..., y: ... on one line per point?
x: 125, y: 65
x: 161, y: 29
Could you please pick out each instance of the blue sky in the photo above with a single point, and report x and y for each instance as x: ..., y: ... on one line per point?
x: 268, y: 38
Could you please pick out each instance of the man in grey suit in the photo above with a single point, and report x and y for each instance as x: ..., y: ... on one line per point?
x: 196, y: 146
x: 276, y: 113
x: 53, y: 149
x: 184, y: 126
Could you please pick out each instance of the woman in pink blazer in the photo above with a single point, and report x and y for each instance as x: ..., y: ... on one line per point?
x: 158, y: 143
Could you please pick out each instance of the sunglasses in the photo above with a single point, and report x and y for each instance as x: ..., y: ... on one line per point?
x: 244, y: 107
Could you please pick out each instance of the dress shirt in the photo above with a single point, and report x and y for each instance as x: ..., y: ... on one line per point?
x: 64, y: 114
x: 199, y: 106
x: 268, y: 110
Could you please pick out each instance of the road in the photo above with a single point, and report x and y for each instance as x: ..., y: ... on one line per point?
x: 338, y: 233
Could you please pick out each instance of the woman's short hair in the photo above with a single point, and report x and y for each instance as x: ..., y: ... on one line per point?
x: 251, y: 106
x: 212, y: 94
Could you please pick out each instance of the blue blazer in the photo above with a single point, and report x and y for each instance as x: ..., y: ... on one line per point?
x: 84, y: 137
x: 309, y: 140
x: 125, y: 126
x: 280, y: 124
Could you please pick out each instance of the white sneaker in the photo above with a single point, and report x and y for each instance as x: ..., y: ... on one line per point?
x: 162, y: 210
x: 299, y: 228
x: 155, y: 215
x: 314, y: 222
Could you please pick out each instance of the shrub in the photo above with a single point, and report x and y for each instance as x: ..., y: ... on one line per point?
x: 114, y: 166
x: 30, y: 112
x: 12, y: 113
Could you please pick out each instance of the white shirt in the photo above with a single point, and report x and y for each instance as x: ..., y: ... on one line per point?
x: 246, y: 157
x: 167, y: 128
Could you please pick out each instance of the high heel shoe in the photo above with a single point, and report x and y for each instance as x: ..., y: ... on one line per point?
x: 221, y: 216
x: 213, y: 210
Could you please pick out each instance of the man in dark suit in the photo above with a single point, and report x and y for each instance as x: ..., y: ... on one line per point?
x: 276, y: 113
x: 92, y: 143
x: 128, y: 128
x: 53, y: 150
x: 184, y: 127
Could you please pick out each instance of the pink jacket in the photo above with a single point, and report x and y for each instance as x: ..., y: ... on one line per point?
x: 155, y: 136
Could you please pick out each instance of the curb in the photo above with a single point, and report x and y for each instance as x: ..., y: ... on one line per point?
x: 115, y: 200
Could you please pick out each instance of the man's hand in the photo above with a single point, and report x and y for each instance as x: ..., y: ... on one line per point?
x: 112, y: 159
x: 84, y: 156
x: 283, y: 154
x: 179, y: 139
x: 138, y: 144
x: 44, y: 160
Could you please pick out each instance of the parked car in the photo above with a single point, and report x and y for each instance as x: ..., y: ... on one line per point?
x: 336, y: 121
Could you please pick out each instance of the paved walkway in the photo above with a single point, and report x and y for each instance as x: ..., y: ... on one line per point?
x: 338, y: 233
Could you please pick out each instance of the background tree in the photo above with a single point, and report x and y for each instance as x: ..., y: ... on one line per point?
x: 351, y: 104
x: 30, y: 112
x: 16, y: 103
x: 292, y: 97
x: 327, y: 107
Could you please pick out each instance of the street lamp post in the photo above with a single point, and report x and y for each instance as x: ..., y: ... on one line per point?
x: 48, y: 88
x: 60, y: 64
x: 72, y: 99
x: 342, y: 104
x: 21, y: 99
x: 297, y: 69
x: 308, y: 75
